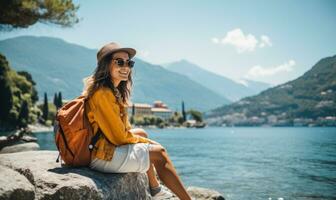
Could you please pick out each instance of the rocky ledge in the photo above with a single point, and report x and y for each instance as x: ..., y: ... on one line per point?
x: 36, y: 175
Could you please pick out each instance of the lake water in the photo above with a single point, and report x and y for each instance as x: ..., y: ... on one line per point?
x: 251, y: 163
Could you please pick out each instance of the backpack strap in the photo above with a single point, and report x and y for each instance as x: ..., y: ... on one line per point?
x: 86, y: 123
x: 95, y: 139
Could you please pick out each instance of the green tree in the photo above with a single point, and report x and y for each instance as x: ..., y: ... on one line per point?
x: 184, y: 115
x: 24, y: 13
x: 176, y: 118
x: 196, y: 115
x: 28, y: 76
x: 59, y: 100
x: 45, y: 108
x: 6, y: 99
x: 23, y: 118
x: 133, y: 110
x: 158, y: 121
x: 152, y: 120
x: 55, y: 100
x: 17, y: 92
x: 17, y: 89
x: 132, y: 119
x: 146, y: 120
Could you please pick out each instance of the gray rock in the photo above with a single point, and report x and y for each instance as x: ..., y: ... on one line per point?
x: 3, y: 138
x: 51, y: 181
x: 36, y: 175
x: 14, y: 186
x: 204, y: 193
x: 27, y: 138
x: 198, y: 193
x: 30, y: 146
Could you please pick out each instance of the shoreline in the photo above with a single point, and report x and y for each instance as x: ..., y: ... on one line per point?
x: 37, y: 128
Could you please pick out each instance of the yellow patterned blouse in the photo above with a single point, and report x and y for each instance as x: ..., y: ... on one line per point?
x: 111, y: 117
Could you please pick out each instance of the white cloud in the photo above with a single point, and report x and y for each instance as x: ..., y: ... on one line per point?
x: 243, y: 42
x: 265, y: 41
x: 240, y: 41
x: 258, y: 71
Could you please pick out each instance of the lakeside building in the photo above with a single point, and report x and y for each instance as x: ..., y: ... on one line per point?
x: 140, y: 109
x: 158, y: 109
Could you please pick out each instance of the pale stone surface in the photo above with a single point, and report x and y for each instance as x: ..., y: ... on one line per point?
x: 13, y: 185
x: 204, y: 193
x: 51, y: 181
x: 198, y: 193
x: 30, y: 146
x: 36, y: 175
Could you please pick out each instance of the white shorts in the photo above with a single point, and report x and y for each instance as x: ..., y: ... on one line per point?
x: 126, y: 158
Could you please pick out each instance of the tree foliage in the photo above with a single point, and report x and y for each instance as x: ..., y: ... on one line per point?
x: 45, y: 108
x: 16, y: 97
x: 28, y: 76
x: 176, y: 118
x: 55, y: 100
x: 24, y: 13
x: 58, y: 102
x: 18, y: 93
x: 23, y: 118
x: 196, y: 115
x: 6, y: 99
x: 184, y: 115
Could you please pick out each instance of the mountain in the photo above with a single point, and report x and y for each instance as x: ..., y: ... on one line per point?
x: 307, y: 100
x: 219, y: 84
x: 54, y: 64
x: 57, y: 65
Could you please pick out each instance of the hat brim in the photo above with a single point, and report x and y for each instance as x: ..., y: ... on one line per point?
x: 131, y: 52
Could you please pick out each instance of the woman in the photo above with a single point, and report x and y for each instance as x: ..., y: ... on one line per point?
x: 123, y: 149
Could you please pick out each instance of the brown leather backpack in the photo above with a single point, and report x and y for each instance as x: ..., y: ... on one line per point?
x: 73, y: 133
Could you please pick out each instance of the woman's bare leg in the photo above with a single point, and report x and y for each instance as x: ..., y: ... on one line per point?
x: 167, y: 172
x: 164, y: 167
x: 153, y: 181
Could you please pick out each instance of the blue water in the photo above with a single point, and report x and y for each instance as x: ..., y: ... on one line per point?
x: 251, y: 163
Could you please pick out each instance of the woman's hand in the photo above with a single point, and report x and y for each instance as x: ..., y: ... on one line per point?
x: 153, y: 142
x: 142, y: 133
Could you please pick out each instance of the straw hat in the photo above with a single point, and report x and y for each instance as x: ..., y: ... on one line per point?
x: 112, y: 48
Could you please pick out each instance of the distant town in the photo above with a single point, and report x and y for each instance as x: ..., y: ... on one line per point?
x: 158, y: 109
x: 159, y: 115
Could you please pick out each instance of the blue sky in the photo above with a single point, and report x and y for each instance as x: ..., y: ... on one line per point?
x: 269, y: 41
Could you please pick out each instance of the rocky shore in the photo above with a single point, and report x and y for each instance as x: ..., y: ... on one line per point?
x: 36, y: 175
x: 40, y: 128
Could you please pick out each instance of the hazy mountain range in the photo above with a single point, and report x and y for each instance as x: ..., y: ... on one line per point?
x: 57, y: 65
x: 308, y: 101
x: 217, y: 83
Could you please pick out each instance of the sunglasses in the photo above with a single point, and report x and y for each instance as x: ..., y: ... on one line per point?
x: 120, y: 62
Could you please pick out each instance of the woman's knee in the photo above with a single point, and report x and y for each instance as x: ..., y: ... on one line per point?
x: 158, y: 153
x: 144, y: 133
x: 139, y: 131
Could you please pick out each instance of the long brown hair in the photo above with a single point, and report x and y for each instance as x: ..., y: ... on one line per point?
x: 102, y: 78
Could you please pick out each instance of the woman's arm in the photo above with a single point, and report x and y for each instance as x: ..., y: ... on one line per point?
x: 108, y: 118
x: 142, y: 133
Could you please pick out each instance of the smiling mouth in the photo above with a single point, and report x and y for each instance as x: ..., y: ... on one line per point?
x: 123, y: 73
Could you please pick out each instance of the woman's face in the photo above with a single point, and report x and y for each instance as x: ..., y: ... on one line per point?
x: 119, y: 73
